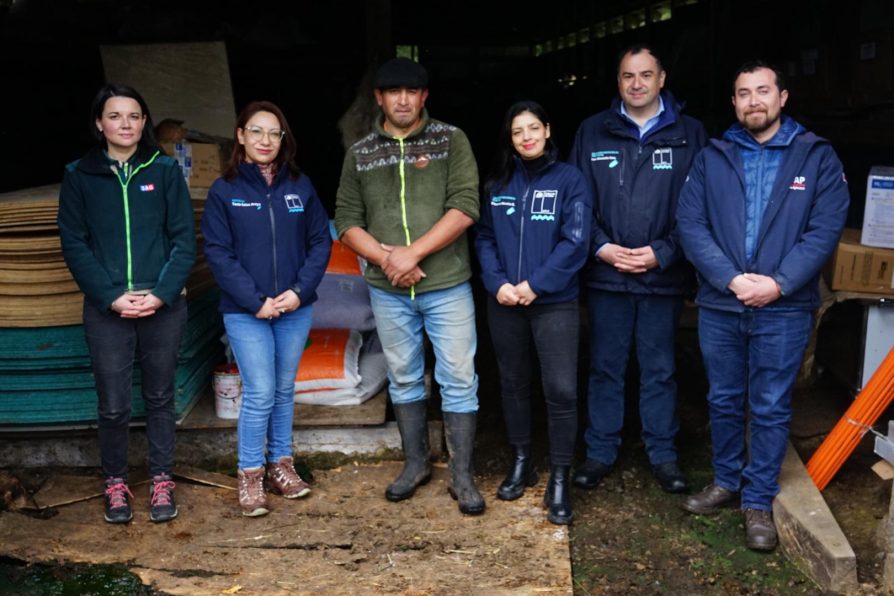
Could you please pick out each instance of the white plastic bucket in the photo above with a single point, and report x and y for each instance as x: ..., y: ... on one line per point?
x: 227, y: 386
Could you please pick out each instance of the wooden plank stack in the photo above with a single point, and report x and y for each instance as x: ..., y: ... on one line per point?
x: 45, y: 373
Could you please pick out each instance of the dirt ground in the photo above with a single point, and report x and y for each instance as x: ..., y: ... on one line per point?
x: 344, y: 539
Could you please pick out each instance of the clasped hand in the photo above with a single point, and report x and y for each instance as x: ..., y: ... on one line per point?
x: 519, y: 294
x: 401, y: 265
x: 274, y: 307
x: 135, y: 306
x: 629, y: 260
x: 754, y: 289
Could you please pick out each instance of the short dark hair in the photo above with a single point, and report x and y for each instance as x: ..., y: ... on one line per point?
x: 753, y: 65
x: 287, y: 149
x: 636, y: 49
x: 147, y: 139
x: 504, y: 162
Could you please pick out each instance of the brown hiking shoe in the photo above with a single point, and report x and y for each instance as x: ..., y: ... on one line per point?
x: 710, y: 501
x: 760, y: 531
x: 252, y: 498
x: 282, y: 479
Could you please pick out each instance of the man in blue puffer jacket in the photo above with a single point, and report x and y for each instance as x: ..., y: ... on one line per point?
x: 635, y: 156
x: 759, y: 215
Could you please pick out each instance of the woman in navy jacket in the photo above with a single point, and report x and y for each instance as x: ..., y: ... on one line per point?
x: 267, y: 242
x: 532, y: 240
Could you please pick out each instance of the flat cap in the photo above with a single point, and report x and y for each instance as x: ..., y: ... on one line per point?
x: 401, y: 72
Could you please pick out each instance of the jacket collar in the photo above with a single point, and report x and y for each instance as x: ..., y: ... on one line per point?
x: 379, y: 126
x: 551, y: 157
x: 788, y: 130
x: 252, y: 173
x: 97, y: 162
x: 621, y: 125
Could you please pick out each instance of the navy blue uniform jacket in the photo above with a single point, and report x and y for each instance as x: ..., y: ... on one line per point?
x: 800, y: 228
x: 635, y: 189
x: 261, y: 241
x: 537, y: 229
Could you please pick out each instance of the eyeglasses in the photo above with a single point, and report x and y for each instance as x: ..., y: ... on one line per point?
x: 256, y: 134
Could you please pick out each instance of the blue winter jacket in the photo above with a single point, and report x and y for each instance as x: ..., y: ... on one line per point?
x: 261, y: 241
x: 799, y: 230
x: 635, y: 187
x: 536, y: 228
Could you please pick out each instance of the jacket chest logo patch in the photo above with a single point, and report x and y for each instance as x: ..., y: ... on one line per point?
x: 421, y: 162
x: 799, y: 183
x: 543, y: 205
x: 294, y: 203
x: 612, y: 157
x: 147, y: 187
x: 504, y: 201
x: 244, y: 203
x: 663, y: 159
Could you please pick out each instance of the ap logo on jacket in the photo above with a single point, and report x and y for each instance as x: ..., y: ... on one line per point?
x: 663, y: 159
x: 294, y: 203
x: 543, y: 205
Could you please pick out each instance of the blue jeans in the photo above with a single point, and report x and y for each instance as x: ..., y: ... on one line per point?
x: 267, y: 353
x: 448, y: 317
x: 752, y: 360
x: 618, y: 319
x: 113, y: 342
x: 550, y: 332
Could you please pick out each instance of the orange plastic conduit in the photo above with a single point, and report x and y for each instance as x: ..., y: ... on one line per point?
x: 872, y: 401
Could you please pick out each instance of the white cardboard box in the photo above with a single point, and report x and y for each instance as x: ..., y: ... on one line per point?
x: 878, y: 216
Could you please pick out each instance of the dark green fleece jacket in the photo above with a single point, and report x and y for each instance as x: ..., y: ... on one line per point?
x: 126, y: 228
x: 397, y: 189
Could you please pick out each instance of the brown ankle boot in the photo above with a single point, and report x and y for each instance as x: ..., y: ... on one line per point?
x: 283, y: 480
x: 252, y: 498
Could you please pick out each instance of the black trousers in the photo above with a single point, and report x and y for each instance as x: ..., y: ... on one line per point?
x: 549, y: 331
x: 113, y: 343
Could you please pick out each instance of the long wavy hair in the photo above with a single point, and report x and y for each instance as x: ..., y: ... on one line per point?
x: 504, y: 161
x: 286, y: 156
x: 147, y: 139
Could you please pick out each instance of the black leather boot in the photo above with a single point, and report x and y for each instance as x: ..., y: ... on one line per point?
x: 460, y: 431
x: 412, y: 421
x: 520, y: 475
x: 557, y: 499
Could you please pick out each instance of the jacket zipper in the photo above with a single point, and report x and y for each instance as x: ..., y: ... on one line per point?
x: 124, y: 186
x: 273, y: 236
x: 521, y: 227
x: 403, y: 206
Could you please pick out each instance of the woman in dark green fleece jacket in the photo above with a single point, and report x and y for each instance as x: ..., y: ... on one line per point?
x: 126, y: 225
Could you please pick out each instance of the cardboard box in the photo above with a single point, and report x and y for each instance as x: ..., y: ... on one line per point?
x: 201, y: 163
x: 858, y: 268
x: 878, y: 215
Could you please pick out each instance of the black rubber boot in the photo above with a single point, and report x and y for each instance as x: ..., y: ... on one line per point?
x: 557, y: 499
x: 460, y: 431
x: 412, y: 421
x: 520, y: 475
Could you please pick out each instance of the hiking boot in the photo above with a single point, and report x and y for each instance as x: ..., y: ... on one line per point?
x: 520, y: 475
x: 760, y: 531
x: 557, y: 499
x: 118, y: 510
x: 711, y: 500
x: 252, y: 498
x: 412, y: 422
x: 162, y: 506
x: 590, y: 473
x: 460, y: 431
x: 282, y: 479
x: 670, y: 477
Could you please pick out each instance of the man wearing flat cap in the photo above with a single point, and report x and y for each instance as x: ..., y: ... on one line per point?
x: 408, y: 191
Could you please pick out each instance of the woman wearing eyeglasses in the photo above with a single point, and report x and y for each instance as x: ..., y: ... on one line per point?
x: 267, y: 242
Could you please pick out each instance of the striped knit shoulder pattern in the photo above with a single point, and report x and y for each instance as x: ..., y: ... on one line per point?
x: 375, y: 151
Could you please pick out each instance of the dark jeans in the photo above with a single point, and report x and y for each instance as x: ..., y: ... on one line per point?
x: 617, y: 320
x: 113, y: 342
x: 752, y: 360
x: 551, y: 332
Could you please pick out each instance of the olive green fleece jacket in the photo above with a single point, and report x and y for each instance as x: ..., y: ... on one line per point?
x: 397, y: 190
x: 127, y: 228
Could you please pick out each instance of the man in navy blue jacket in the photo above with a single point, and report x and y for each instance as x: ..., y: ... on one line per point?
x: 759, y: 215
x: 635, y: 156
